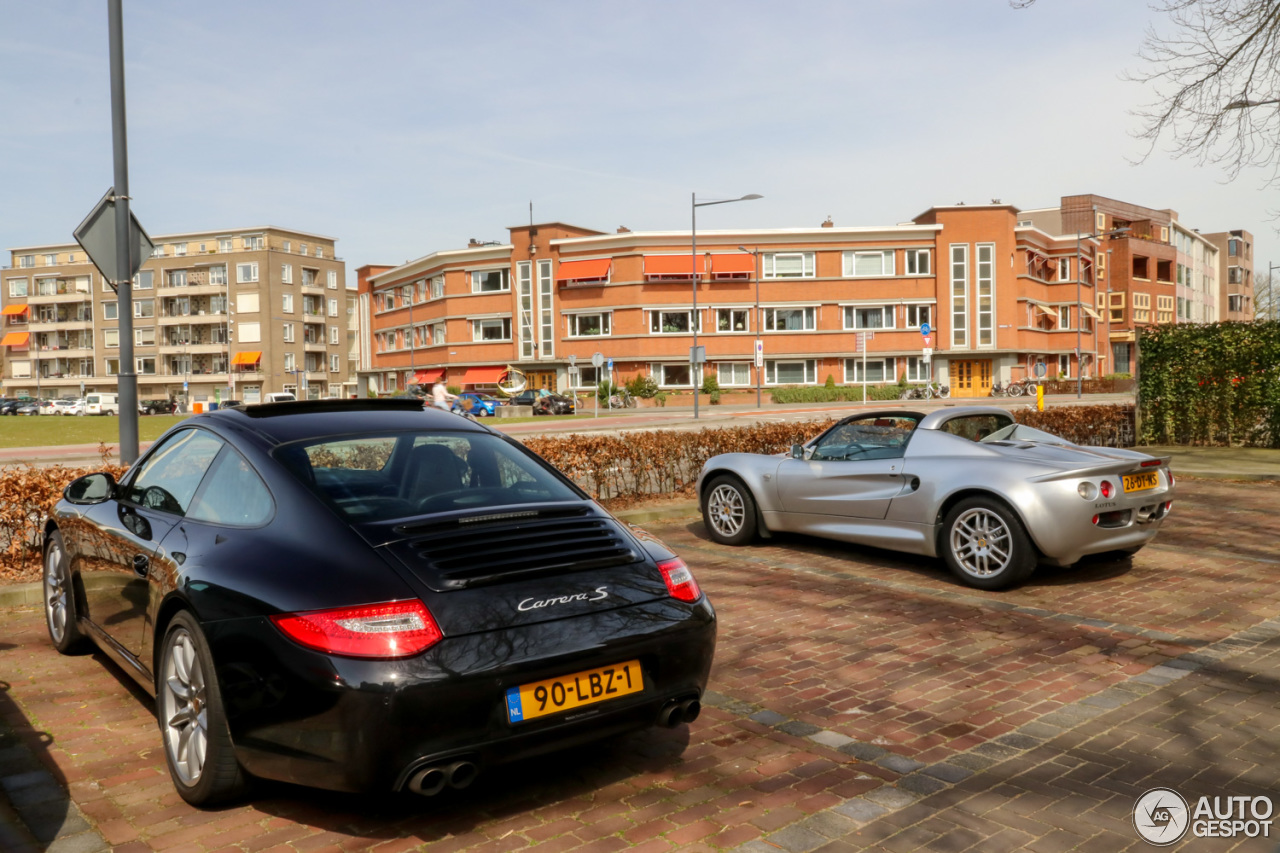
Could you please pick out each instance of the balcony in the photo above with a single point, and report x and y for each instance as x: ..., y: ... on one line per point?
x: 61, y: 297
x: 201, y: 317
x: 68, y: 325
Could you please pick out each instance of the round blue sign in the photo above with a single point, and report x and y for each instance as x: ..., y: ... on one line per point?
x: 924, y: 328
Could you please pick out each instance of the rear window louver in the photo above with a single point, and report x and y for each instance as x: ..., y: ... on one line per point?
x: 512, y: 544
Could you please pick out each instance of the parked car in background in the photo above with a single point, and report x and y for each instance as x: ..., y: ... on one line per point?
x: 50, y: 407
x: 343, y: 595
x: 102, y: 403
x: 71, y: 407
x: 476, y: 405
x: 991, y: 497
x: 544, y: 402
x: 279, y: 397
x: 155, y: 407
x: 28, y: 407
x: 10, y: 405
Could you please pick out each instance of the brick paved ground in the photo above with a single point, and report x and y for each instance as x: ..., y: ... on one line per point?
x: 860, y: 700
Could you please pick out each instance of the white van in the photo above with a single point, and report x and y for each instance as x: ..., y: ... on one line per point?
x: 102, y: 404
x: 279, y: 397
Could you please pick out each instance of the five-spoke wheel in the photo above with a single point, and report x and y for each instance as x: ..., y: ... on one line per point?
x: 729, y: 511
x: 985, y: 544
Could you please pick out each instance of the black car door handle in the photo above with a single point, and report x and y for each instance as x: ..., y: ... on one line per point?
x: 141, y: 565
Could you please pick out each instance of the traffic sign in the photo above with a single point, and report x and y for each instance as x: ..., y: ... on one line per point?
x: 97, y: 236
x: 924, y: 329
x: 698, y: 355
x: 1041, y: 370
x: 928, y: 355
x: 573, y: 360
x: 759, y: 353
x: 609, y: 365
x: 928, y: 340
x: 597, y: 360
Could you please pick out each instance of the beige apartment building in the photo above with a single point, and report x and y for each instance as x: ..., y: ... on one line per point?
x: 217, y: 315
x: 1235, y: 274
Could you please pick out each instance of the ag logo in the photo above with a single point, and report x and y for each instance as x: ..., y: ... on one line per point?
x: 1161, y: 816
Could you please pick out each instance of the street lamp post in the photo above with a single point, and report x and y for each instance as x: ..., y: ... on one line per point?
x: 693, y: 273
x: 1079, y: 305
x: 759, y: 368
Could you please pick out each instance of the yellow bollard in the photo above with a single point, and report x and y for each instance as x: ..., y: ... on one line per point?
x: 1040, y: 398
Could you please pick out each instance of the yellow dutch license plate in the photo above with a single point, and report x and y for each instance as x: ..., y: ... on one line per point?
x: 1141, y: 482
x: 555, y: 695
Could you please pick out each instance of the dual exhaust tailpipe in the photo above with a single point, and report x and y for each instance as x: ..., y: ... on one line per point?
x: 679, y: 711
x: 430, y: 781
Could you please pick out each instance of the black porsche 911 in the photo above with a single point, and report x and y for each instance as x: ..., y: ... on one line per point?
x: 361, y: 595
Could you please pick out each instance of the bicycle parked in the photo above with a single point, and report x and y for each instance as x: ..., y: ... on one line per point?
x: 622, y: 400
x: 926, y: 392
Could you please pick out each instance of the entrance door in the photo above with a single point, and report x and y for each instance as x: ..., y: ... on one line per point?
x: 971, y: 378
x: 536, y: 379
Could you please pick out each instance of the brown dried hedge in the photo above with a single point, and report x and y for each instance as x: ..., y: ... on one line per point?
x: 619, y: 469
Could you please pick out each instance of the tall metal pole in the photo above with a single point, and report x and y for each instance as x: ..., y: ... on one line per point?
x: 1079, y: 325
x: 693, y: 273
x: 127, y: 382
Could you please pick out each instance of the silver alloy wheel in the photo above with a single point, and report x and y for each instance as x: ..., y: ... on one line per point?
x: 981, y: 543
x: 56, y: 590
x: 725, y: 510
x: 182, y: 707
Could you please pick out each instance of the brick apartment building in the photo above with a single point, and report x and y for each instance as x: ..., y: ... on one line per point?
x: 1235, y: 273
x: 998, y: 296
x: 230, y: 314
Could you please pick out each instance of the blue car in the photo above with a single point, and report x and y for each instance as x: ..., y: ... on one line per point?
x: 476, y: 405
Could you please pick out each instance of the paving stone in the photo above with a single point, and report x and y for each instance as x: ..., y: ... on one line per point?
x: 1018, y: 740
x: 797, y: 839
x: 84, y: 842
x: 767, y: 718
x: 890, y: 798
x: 863, y: 751
x: 860, y: 809
x: 830, y: 824
x: 899, y: 763
x: 796, y: 728
x: 918, y: 783
x: 835, y: 740
x: 948, y: 772
x: 972, y: 761
x: 1108, y: 699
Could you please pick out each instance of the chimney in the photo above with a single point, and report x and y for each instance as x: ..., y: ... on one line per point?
x: 622, y: 229
x: 828, y: 223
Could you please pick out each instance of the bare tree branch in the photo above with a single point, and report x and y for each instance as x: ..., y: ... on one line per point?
x: 1266, y: 297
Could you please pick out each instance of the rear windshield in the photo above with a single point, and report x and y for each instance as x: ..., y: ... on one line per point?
x: 380, y: 477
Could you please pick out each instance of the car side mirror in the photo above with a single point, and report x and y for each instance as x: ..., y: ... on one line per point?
x: 797, y: 451
x: 91, y: 489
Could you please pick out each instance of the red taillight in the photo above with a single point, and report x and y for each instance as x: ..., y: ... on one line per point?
x: 1105, y: 488
x: 1168, y: 507
x: 1170, y: 475
x: 393, y: 630
x: 1095, y: 519
x: 1151, y: 463
x: 679, y: 580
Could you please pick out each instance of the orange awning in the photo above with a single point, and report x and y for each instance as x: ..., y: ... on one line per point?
x: 669, y: 265
x: 429, y: 376
x: 252, y: 357
x: 578, y: 270
x: 483, y: 375
x: 15, y: 339
x: 10, y: 310
x: 735, y: 263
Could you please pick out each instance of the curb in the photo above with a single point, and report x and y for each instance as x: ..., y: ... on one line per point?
x: 21, y: 594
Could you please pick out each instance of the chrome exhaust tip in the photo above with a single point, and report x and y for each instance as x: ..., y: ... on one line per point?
x: 429, y: 781
x: 461, y: 774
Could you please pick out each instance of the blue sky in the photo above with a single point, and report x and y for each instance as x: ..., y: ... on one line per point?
x: 403, y: 127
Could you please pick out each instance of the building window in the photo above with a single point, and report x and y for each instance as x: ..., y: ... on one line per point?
x: 18, y: 288
x: 672, y: 322
x: 1142, y: 307
x: 732, y: 319
x: 290, y: 362
x: 791, y: 372
x: 111, y: 338
x: 144, y: 337
x: 546, y: 321
x: 111, y: 366
x: 918, y: 315
x: 1064, y: 365
x: 248, y: 333
x: 437, y: 286
x: 51, y: 260
x: 588, y: 325
x: 179, y: 249
x: 333, y: 334
x: 246, y: 273
x: 332, y: 278
x: 146, y: 365
x: 286, y: 303
x: 308, y: 277
x: 1064, y: 317
x: 26, y: 261
x: 960, y: 295
x: 918, y: 261
x: 1164, y: 309
x: 144, y: 308
x: 731, y: 374
x: 333, y: 308
x: 874, y: 317
x: 673, y: 375
x: 1235, y: 302
x: 218, y: 274
x: 288, y: 333
x: 524, y: 277
x: 917, y: 369
x: 490, y: 281
x: 877, y: 370
x: 319, y: 251
x: 144, y: 280
x: 437, y: 334
x: 498, y: 329
x: 286, y: 273
x: 335, y: 363
x: 253, y: 242
x: 789, y: 319
x: 585, y: 376
x: 985, y: 285
x: 111, y: 310
x: 868, y: 264
x: 788, y: 265
x: 224, y: 244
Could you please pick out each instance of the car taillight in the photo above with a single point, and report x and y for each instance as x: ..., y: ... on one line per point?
x: 679, y: 580
x: 393, y: 630
x: 1105, y: 488
x: 1170, y: 473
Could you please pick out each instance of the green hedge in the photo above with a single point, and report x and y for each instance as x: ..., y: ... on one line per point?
x: 1215, y: 383
x: 837, y: 394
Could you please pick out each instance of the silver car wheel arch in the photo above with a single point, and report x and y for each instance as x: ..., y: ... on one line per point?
x: 726, y: 510
x: 183, y: 708
x: 981, y: 542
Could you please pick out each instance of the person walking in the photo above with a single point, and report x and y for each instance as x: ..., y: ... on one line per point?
x: 440, y: 396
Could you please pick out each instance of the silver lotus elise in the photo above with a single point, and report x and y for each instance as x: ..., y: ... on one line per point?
x: 990, y: 496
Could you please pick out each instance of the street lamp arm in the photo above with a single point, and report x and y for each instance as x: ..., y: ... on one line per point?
x: 749, y: 197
